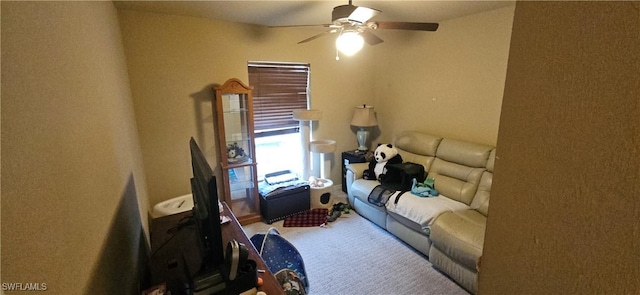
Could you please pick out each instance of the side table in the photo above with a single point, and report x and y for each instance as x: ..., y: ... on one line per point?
x: 353, y: 156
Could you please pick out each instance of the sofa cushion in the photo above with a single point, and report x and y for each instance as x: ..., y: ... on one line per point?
x: 491, y: 161
x: 460, y: 235
x: 417, y: 147
x: 464, y: 153
x: 423, y: 211
x: 481, y: 200
x: 458, y: 167
x: 418, y: 143
x: 455, y: 181
x: 425, y: 161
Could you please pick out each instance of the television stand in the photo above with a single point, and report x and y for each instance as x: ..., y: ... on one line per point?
x: 177, y: 253
x: 208, y: 282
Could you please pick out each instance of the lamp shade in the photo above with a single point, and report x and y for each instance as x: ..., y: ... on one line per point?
x: 364, y: 116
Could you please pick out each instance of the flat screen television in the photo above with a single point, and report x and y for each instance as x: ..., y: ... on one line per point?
x: 206, y: 211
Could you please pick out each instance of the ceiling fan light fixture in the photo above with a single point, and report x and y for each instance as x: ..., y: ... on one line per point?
x: 349, y: 42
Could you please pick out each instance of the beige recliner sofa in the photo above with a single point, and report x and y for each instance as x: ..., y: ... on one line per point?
x: 449, y: 228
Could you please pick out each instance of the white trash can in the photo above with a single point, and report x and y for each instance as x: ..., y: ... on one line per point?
x: 172, y: 206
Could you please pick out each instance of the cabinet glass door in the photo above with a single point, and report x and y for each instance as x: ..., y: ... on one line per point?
x: 236, y: 139
x: 241, y: 190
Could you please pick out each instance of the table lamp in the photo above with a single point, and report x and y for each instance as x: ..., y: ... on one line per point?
x: 363, y: 117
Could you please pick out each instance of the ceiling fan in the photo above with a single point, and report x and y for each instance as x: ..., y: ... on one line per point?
x: 352, y: 23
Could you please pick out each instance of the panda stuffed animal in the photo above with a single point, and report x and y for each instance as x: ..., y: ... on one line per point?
x: 383, y: 155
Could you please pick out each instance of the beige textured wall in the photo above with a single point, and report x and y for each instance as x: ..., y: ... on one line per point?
x: 73, y: 193
x: 173, y: 62
x: 449, y: 82
x: 564, y: 207
x: 68, y: 117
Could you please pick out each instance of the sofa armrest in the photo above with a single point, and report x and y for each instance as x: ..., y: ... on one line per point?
x: 357, y: 169
x: 354, y: 171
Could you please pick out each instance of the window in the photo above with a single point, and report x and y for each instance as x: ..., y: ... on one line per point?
x: 278, y: 89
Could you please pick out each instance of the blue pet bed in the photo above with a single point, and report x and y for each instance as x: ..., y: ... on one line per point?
x: 283, y: 260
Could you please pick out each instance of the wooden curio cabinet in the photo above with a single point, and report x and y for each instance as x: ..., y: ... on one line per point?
x: 234, y: 114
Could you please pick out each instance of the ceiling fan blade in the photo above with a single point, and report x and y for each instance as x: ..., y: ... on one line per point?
x: 404, y: 26
x: 352, y: 13
x: 318, y: 36
x: 370, y: 37
x: 363, y: 14
x: 303, y: 26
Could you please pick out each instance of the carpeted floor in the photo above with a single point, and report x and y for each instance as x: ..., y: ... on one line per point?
x: 354, y: 256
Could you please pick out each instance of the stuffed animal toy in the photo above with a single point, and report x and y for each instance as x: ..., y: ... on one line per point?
x: 383, y: 155
x: 234, y: 151
x: 317, y: 182
x: 337, y: 210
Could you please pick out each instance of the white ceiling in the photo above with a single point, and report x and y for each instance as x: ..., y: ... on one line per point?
x: 280, y: 13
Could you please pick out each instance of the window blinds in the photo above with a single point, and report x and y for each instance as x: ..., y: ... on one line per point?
x: 278, y: 89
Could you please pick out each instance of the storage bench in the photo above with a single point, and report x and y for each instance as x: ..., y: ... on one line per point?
x: 284, y: 201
